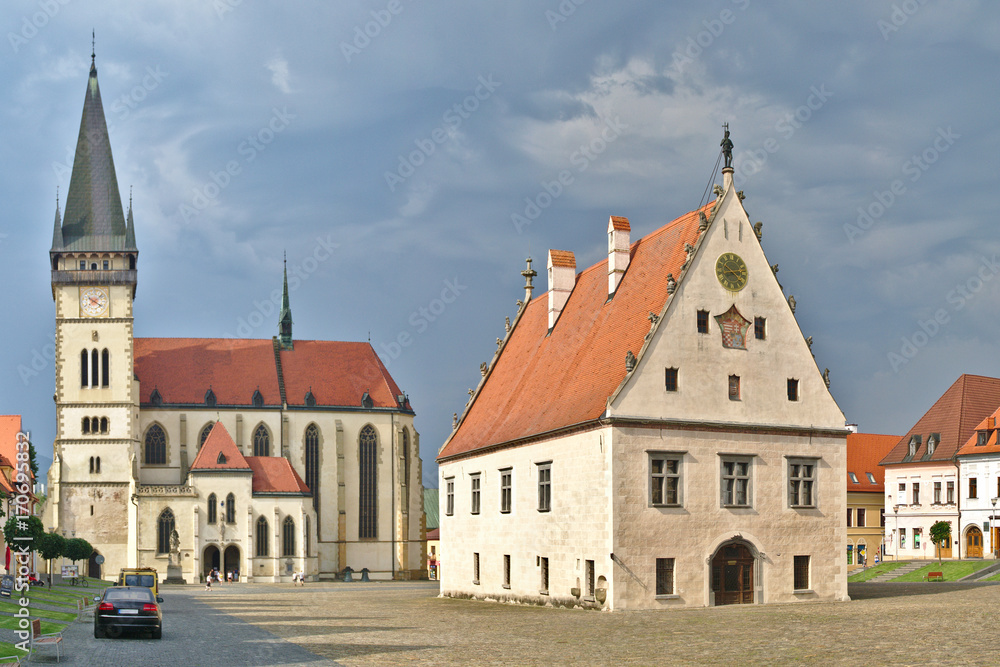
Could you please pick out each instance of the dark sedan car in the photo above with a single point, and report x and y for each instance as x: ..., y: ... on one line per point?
x: 127, y: 608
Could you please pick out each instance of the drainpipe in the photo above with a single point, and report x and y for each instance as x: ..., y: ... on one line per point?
x: 392, y: 482
x: 958, y: 505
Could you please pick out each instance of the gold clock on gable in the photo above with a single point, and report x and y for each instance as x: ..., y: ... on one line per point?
x: 94, y: 302
x: 731, y: 271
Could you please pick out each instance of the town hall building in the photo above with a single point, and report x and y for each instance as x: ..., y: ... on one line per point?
x: 261, y: 457
x: 653, y: 432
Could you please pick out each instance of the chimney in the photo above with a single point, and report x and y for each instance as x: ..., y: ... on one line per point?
x: 562, y: 279
x: 618, y: 251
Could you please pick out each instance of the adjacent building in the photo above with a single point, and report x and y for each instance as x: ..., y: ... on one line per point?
x: 865, y: 499
x: 652, y: 432
x: 979, y: 482
x: 923, y: 479
x: 265, y: 457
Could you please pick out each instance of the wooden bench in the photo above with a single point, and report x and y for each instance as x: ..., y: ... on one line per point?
x: 934, y: 576
x: 39, y: 640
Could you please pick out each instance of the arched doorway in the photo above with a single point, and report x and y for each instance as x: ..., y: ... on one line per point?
x: 974, y: 542
x: 732, y: 575
x: 93, y: 567
x: 231, y: 558
x: 211, y: 559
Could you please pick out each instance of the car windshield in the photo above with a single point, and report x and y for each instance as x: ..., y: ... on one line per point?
x: 146, y: 580
x: 128, y: 594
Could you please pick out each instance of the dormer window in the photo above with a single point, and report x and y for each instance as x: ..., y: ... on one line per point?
x: 258, y: 399
x: 221, y: 460
x: 310, y: 399
x: 980, y: 438
x: 914, y: 443
x: 155, y: 397
x: 210, y: 398
x: 366, y: 400
x: 932, y: 442
x: 871, y: 478
x: 854, y: 478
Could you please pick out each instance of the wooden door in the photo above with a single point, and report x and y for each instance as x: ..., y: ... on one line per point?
x: 944, y: 549
x: 974, y: 543
x: 732, y: 575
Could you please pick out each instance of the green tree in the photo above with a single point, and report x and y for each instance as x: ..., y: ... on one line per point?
x: 32, y: 461
x: 77, y: 548
x: 23, y: 531
x: 50, y: 547
x: 940, y: 535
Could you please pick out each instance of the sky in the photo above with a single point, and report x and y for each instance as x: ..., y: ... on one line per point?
x: 409, y: 156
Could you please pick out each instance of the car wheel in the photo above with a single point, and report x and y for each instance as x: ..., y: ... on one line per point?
x: 98, y: 633
x: 157, y: 633
x: 113, y: 631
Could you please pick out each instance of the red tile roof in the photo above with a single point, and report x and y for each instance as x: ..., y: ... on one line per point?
x: 620, y: 223
x: 563, y: 258
x: 434, y: 534
x: 274, y: 474
x: 864, y: 451
x: 545, y: 382
x: 992, y: 445
x: 10, y: 426
x: 954, y: 416
x: 219, y: 442
x: 182, y: 370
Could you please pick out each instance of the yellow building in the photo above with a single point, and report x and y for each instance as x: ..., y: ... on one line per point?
x: 865, y: 505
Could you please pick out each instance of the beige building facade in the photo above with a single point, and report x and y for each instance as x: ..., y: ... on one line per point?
x: 653, y: 432
x: 330, y: 473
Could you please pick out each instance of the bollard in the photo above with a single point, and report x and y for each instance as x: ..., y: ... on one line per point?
x: 364, y: 574
x: 347, y: 573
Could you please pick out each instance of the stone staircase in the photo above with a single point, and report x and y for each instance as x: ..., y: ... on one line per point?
x: 988, y: 571
x: 906, y: 568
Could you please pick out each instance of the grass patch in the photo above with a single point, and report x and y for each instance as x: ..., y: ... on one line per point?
x: 873, y: 572
x: 953, y: 570
x: 6, y: 648
x: 12, y: 607
x: 11, y: 623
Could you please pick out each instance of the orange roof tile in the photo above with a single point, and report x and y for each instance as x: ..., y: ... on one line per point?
x: 434, y: 534
x: 219, y: 442
x: 864, y: 451
x: 563, y: 258
x: 10, y: 426
x: 182, y: 370
x: 274, y: 474
x: 545, y: 382
x: 620, y: 223
x: 992, y: 445
x: 954, y: 416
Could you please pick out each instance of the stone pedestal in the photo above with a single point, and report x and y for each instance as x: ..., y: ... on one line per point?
x: 174, y: 575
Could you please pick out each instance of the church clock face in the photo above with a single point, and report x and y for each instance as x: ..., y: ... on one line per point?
x: 731, y: 271
x: 94, y: 301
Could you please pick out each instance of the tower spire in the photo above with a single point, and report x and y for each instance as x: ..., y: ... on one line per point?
x: 285, y: 316
x: 57, y: 239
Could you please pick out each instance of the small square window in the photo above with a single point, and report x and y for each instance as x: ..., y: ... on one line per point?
x: 759, y: 328
x: 703, y: 321
x: 734, y: 387
x: 793, y: 391
x: 802, y: 573
x: 664, y: 576
x: 671, y: 379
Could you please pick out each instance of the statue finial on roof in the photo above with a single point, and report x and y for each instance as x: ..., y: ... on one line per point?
x: 727, y: 147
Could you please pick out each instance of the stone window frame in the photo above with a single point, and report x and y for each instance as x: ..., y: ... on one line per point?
x: 665, y: 577
x: 212, y: 516
x: 449, y: 496
x: 475, y: 568
x: 166, y: 523
x: 262, y: 540
x: 660, y: 479
x: 544, y: 470
x: 801, y: 573
x: 735, y: 476
x: 506, y: 490
x: 798, y: 497
x: 253, y: 439
x: 475, y: 492
x: 288, y: 537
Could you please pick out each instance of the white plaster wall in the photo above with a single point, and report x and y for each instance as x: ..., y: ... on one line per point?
x: 578, y: 527
x: 925, y: 514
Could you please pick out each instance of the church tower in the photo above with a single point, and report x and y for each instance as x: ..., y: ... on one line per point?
x: 93, y: 262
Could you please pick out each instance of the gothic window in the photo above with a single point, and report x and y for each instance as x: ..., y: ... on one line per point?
x: 258, y: 399
x: 94, y: 365
x: 164, y: 528
x: 262, y: 538
x: 261, y: 441
x: 288, y: 537
x: 204, y: 433
x: 213, y: 508
x: 230, y: 508
x: 84, y: 378
x: 406, y: 457
x: 306, y: 546
x: 105, y: 364
x: 312, y: 463
x: 156, y: 446
x: 368, y: 507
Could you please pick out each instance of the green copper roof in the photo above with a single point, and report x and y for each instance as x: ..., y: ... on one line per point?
x: 93, y: 219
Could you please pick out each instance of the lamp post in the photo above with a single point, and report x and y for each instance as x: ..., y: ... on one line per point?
x: 895, y: 513
x: 993, y: 545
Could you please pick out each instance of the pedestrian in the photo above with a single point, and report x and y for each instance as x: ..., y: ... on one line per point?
x: 208, y: 582
x: 302, y: 577
x: 229, y: 577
